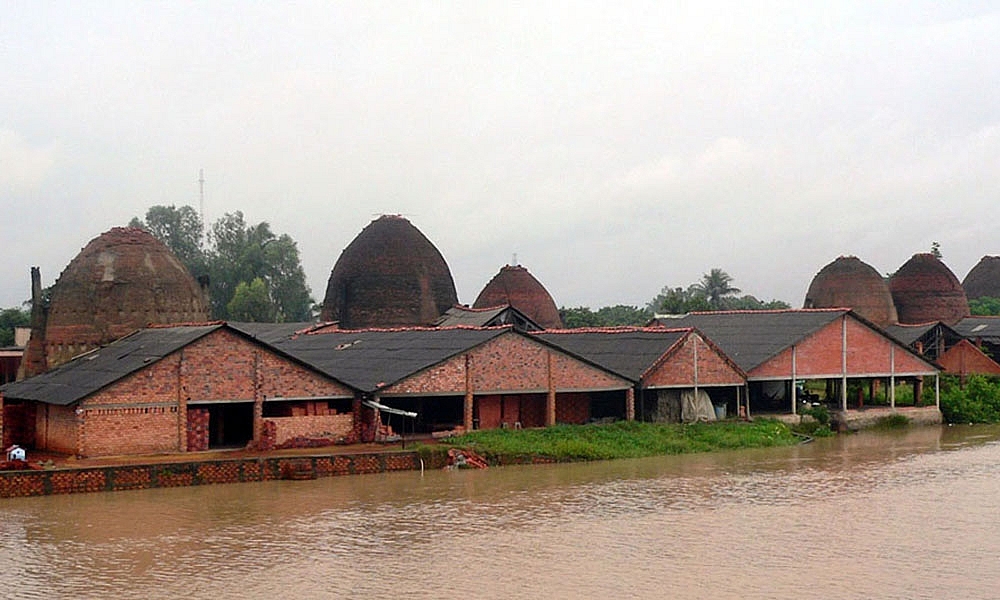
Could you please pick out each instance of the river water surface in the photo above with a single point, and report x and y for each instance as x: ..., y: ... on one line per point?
x: 909, y: 515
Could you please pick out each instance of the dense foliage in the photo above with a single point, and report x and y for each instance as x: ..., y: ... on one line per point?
x: 266, y: 265
x: 714, y: 292
x: 986, y: 306
x: 609, y: 316
x: 10, y: 319
x: 978, y: 401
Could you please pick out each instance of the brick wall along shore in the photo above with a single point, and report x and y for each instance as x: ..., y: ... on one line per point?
x: 187, y: 473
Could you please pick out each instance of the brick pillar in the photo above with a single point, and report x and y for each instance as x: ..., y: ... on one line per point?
x: 182, y: 399
x: 630, y: 404
x: 3, y: 440
x: 469, y: 395
x: 258, y: 400
x: 550, y: 399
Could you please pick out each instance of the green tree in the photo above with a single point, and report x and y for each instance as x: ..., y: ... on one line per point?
x: 608, y: 316
x: 715, y: 286
x: 181, y: 230
x: 985, y: 306
x: 236, y: 253
x: 678, y: 301
x: 749, y: 302
x: 251, y: 302
x: 10, y: 319
x: 242, y: 253
x: 580, y: 316
x: 623, y: 315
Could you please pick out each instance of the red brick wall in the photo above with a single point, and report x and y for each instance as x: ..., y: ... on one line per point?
x: 321, y: 426
x: 488, y: 411
x: 508, y: 363
x: 572, y: 408
x: 56, y: 428
x: 964, y: 358
x: 677, y: 369
x: 18, y: 422
x: 136, y: 430
x: 868, y: 354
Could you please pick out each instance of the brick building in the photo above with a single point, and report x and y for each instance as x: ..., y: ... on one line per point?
x: 779, y: 348
x: 466, y: 377
x: 176, y: 389
x: 674, y: 370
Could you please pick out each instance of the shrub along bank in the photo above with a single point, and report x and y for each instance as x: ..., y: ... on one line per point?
x: 618, y: 440
x: 977, y: 401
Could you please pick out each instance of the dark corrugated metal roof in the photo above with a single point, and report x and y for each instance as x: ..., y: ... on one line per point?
x: 368, y: 359
x: 910, y: 334
x: 459, y: 315
x: 269, y: 333
x: 627, y: 353
x: 984, y: 328
x: 462, y: 316
x: 89, y: 373
x: 751, y: 338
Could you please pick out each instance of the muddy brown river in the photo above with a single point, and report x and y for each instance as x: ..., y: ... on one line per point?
x: 909, y: 515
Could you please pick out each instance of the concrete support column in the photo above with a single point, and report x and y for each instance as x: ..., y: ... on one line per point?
x: 937, y: 390
x: 550, y: 399
x: 630, y: 404
x: 467, y: 411
x: 843, y: 363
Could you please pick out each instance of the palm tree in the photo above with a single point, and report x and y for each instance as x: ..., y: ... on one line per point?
x: 715, y: 286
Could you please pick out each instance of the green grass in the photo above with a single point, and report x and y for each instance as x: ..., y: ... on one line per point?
x: 621, y: 440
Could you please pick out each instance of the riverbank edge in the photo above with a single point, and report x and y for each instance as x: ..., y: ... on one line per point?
x: 138, y: 476
x: 209, y: 471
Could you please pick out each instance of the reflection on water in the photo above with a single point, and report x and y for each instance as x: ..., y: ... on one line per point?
x: 889, y: 515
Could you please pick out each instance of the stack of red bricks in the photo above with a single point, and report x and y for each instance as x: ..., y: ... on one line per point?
x: 197, y: 429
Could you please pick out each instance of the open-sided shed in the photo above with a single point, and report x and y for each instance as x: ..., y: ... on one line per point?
x: 779, y: 348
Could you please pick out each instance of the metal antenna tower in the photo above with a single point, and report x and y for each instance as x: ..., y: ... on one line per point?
x: 201, y: 195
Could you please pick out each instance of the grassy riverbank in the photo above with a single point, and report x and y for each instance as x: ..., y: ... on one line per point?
x: 621, y: 440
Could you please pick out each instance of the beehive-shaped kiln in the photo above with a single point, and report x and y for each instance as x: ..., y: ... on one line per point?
x: 925, y: 290
x: 389, y: 276
x: 848, y: 282
x: 984, y: 279
x: 515, y: 286
x: 123, y: 280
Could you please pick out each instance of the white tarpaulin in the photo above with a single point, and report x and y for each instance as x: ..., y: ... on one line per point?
x: 696, y: 407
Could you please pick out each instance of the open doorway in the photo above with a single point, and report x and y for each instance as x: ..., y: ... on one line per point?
x: 230, y: 425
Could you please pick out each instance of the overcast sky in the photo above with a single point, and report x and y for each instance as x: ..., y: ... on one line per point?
x: 615, y: 148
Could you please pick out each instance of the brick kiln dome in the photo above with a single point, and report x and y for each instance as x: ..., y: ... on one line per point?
x: 515, y: 286
x: 123, y: 280
x: 926, y: 290
x: 850, y: 282
x: 984, y: 279
x: 389, y: 276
